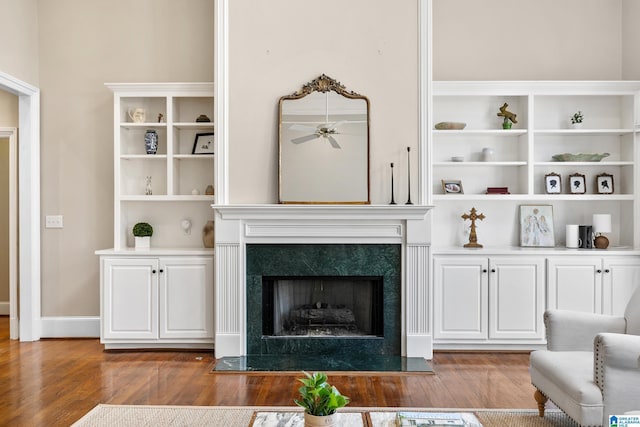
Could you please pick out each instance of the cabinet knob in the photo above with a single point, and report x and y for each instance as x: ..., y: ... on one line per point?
x: 493, y: 270
x: 153, y: 271
x: 607, y: 271
x: 161, y: 270
x: 598, y: 271
x: 484, y: 270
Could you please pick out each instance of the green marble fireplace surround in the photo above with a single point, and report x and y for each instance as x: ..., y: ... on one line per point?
x: 324, y: 260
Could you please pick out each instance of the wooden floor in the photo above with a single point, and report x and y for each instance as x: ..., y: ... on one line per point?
x: 53, y: 382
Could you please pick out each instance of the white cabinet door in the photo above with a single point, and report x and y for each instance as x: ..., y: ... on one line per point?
x: 575, y: 283
x: 130, y: 298
x: 621, y: 276
x: 460, y: 297
x: 516, y: 298
x: 186, y: 297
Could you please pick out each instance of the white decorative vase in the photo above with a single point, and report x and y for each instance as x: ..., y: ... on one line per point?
x: 143, y: 242
x: 576, y: 125
x: 325, y: 421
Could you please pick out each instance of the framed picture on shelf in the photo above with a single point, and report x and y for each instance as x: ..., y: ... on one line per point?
x: 203, y: 143
x: 604, y: 183
x: 536, y: 226
x: 452, y: 186
x: 577, y: 184
x: 552, y: 183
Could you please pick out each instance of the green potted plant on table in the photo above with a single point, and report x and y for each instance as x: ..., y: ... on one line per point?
x: 142, y: 232
x: 320, y: 400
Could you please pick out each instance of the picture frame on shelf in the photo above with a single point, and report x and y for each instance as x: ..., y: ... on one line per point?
x: 577, y: 184
x: 452, y: 186
x: 203, y: 143
x: 536, y: 226
x: 553, y: 183
x: 604, y: 183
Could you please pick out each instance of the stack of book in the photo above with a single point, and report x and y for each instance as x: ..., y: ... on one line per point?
x: 497, y: 190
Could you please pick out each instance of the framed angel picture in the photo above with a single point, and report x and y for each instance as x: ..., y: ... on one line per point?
x: 536, y: 226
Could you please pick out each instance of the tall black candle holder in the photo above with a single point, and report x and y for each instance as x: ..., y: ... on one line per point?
x: 393, y: 202
x: 409, y: 175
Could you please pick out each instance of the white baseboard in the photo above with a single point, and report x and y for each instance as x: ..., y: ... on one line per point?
x: 71, y: 327
x: 4, y: 308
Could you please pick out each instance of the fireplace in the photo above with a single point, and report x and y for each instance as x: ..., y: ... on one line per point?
x: 240, y: 229
x: 335, y: 306
x: 324, y: 299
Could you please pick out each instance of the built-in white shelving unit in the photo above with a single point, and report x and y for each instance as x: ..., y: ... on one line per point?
x: 161, y: 297
x: 178, y: 178
x: 495, y: 296
x: 522, y: 155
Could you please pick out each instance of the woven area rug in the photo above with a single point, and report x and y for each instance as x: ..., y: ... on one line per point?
x: 237, y: 416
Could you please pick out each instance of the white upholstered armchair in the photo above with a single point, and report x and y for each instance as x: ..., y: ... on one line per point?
x: 591, y: 368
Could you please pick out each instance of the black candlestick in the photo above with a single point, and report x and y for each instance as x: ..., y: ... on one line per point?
x: 393, y: 202
x: 409, y: 175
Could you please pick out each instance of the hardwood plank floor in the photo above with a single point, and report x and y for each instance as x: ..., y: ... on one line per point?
x: 54, y: 382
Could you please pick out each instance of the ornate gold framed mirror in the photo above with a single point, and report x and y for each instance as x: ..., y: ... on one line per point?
x: 323, y: 145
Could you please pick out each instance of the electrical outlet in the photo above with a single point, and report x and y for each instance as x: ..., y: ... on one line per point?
x: 53, y: 221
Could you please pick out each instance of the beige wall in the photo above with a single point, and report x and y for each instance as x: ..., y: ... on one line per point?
x: 19, y: 35
x: 529, y: 40
x: 276, y: 46
x: 84, y: 44
x: 630, y: 40
x: 370, y: 46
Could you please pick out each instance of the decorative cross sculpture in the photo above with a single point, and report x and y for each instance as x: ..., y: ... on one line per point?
x: 473, y: 237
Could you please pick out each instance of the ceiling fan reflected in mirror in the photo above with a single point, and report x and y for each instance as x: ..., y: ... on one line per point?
x: 324, y: 130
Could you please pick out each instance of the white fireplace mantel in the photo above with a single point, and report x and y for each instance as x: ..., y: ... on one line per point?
x: 238, y: 225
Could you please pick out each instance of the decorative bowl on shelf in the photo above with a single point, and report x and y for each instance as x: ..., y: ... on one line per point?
x: 450, y: 126
x: 579, y: 157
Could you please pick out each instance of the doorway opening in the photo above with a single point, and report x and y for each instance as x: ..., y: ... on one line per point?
x: 28, y: 271
x: 9, y: 180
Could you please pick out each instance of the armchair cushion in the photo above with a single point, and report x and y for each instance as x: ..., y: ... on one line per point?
x: 566, y: 377
x: 571, y: 330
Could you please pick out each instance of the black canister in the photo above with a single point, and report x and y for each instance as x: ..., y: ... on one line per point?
x: 585, y: 234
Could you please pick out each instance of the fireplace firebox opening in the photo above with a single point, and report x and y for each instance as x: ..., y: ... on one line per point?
x: 322, y: 306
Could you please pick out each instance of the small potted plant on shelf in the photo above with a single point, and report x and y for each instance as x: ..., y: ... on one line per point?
x: 576, y: 119
x: 320, y: 400
x: 142, y: 232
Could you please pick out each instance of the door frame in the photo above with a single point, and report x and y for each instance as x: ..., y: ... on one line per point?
x: 11, y: 135
x: 30, y: 328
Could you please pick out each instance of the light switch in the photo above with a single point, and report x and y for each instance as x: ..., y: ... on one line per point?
x: 53, y: 221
